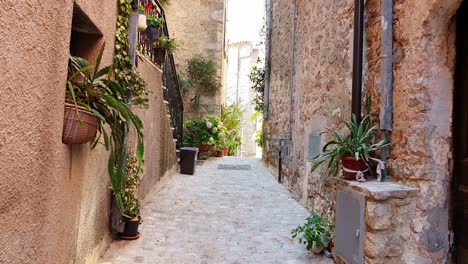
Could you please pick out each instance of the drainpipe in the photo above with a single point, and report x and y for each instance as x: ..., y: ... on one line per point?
x: 386, y: 59
x: 292, y: 72
x: 269, y: 29
x: 358, y: 53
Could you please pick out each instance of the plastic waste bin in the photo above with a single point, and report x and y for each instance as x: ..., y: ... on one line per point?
x: 187, y: 160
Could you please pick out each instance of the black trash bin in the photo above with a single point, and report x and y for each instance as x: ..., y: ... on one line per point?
x: 187, y: 160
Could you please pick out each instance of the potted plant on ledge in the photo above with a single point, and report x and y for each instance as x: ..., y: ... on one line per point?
x: 164, y: 45
x: 353, y: 151
x: 131, y: 216
x: 153, y: 30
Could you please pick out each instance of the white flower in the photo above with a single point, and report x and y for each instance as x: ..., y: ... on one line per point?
x: 209, y: 125
x: 220, y: 126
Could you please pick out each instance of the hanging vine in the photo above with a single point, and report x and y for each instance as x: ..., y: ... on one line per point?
x: 123, y: 66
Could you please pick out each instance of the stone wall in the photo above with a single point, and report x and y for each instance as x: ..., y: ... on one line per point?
x: 423, y: 91
x: 55, y: 198
x: 199, y: 27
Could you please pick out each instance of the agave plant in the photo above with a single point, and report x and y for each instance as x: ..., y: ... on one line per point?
x: 93, y: 88
x: 360, y: 143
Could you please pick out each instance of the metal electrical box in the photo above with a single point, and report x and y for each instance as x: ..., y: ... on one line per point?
x: 350, y: 225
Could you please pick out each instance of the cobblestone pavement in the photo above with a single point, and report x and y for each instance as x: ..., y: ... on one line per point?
x: 218, y: 216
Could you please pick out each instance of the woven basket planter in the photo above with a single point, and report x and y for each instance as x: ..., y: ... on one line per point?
x: 78, y: 126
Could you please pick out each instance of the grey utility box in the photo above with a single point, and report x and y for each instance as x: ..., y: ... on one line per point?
x: 350, y: 225
x: 187, y: 160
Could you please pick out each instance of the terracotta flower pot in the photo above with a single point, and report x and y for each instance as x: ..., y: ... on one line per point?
x: 79, y: 125
x: 351, y: 163
x: 220, y: 153
x: 226, y: 151
x: 204, y: 147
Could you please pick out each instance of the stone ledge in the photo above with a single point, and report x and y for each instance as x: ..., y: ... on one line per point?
x: 379, y: 191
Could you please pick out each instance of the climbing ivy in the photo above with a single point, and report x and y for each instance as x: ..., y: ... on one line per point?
x: 123, y: 66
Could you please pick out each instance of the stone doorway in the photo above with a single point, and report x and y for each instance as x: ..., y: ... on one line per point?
x: 460, y: 126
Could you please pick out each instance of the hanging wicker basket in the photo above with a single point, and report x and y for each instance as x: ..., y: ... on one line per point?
x: 79, y: 126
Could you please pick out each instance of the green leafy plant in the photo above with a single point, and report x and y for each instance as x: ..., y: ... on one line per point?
x: 93, y: 88
x: 184, y: 82
x: 257, y: 78
x: 203, y: 74
x: 205, y: 131
x: 156, y: 21
x: 360, y: 143
x: 170, y: 44
x: 141, y: 9
x: 317, y: 231
x: 123, y: 68
x: 259, y: 137
x: 232, y: 116
x: 130, y: 199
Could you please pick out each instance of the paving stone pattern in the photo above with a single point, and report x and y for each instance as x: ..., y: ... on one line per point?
x: 218, y: 216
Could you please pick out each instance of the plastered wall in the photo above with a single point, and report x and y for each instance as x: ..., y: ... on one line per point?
x: 55, y: 198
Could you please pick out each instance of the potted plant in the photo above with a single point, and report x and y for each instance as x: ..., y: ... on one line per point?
x: 94, y: 89
x: 131, y: 215
x: 142, y: 19
x: 353, y: 151
x: 316, y: 233
x: 232, y: 116
x: 164, y: 45
x: 153, y: 31
x: 80, y: 123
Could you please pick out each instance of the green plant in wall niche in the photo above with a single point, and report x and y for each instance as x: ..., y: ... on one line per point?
x: 203, y: 73
x: 123, y: 68
x: 316, y: 233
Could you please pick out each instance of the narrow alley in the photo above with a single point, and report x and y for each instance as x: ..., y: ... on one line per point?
x: 231, y: 211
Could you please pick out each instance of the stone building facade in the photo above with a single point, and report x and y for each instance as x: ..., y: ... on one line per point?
x: 56, y: 197
x: 242, y: 57
x: 199, y: 26
x: 310, y: 92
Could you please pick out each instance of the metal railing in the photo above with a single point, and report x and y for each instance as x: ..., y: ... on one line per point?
x: 165, y: 60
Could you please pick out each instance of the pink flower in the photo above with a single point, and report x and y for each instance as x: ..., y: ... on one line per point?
x: 209, y: 125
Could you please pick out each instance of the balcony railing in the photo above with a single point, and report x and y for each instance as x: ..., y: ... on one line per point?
x: 165, y: 60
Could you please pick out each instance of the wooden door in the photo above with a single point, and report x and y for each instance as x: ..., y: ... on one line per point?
x: 460, y: 130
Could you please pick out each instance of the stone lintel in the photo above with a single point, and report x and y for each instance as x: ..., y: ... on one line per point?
x: 379, y: 191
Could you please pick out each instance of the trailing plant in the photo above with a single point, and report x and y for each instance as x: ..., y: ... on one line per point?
x: 317, y: 231
x: 93, y: 88
x: 170, y: 44
x: 132, y: 184
x: 359, y: 142
x: 257, y: 78
x: 203, y: 74
x: 156, y: 21
x: 184, y: 82
x: 123, y: 68
x: 259, y: 137
x: 232, y: 117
